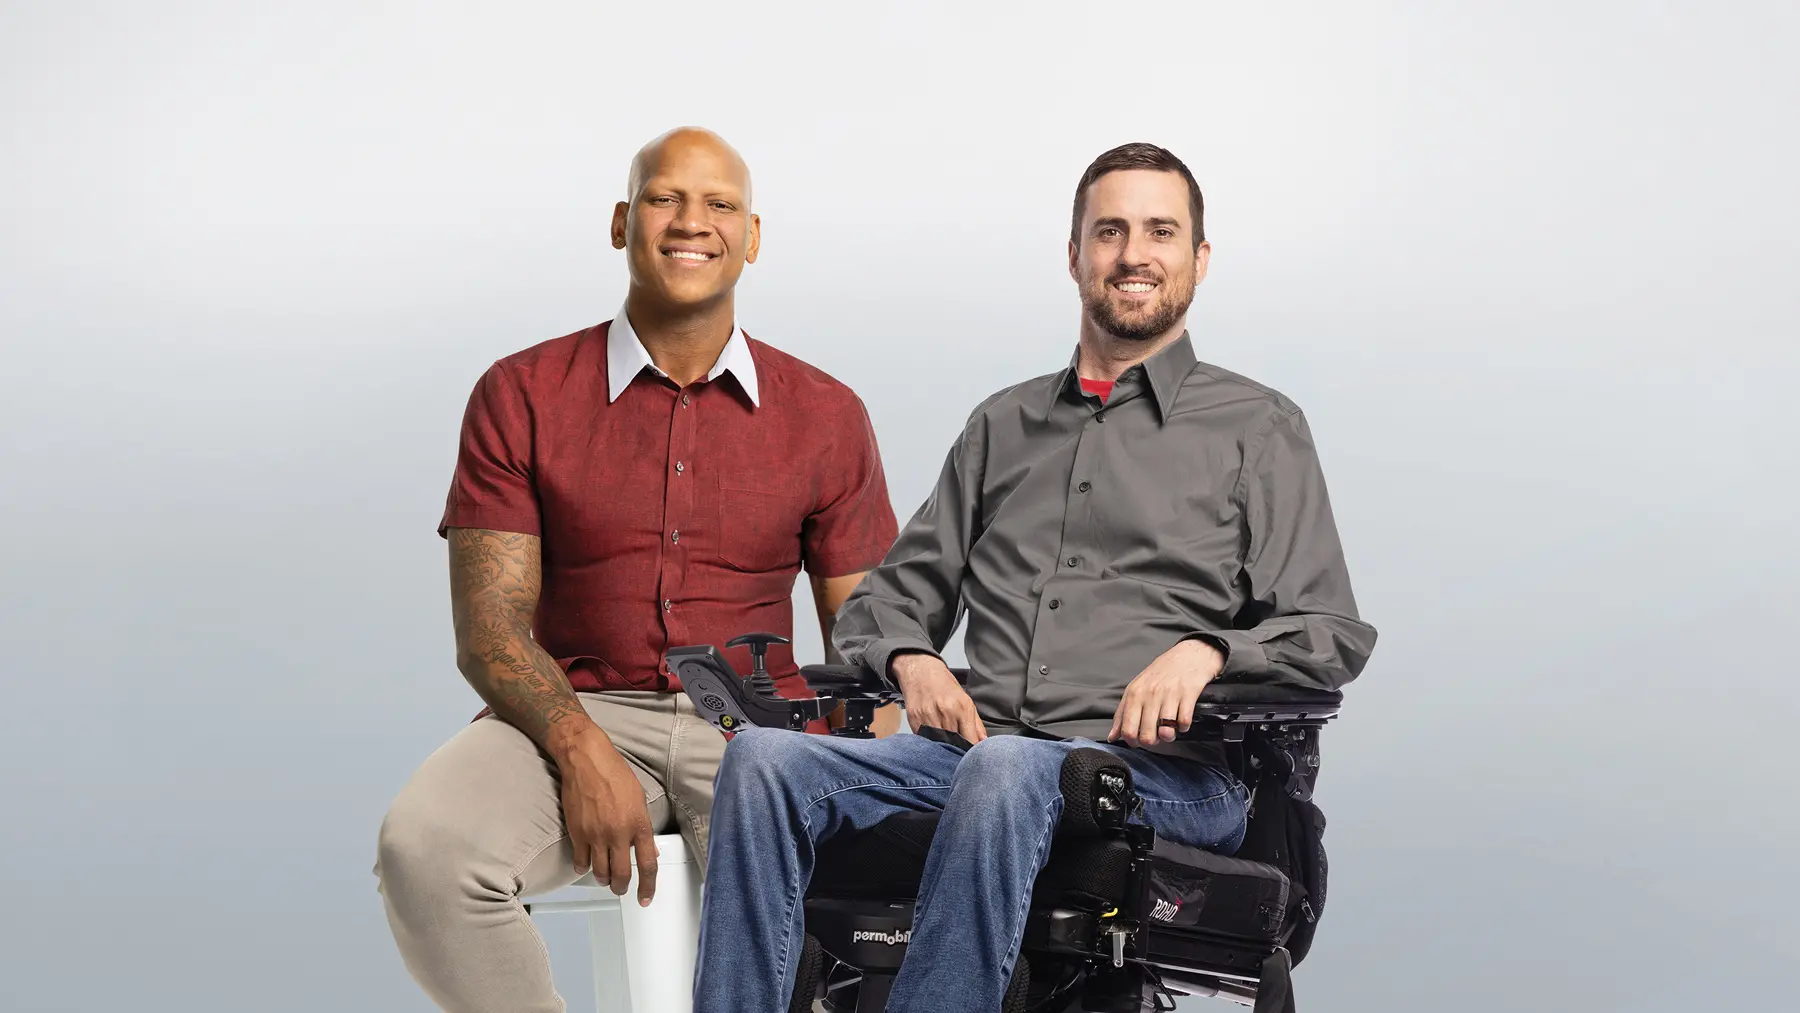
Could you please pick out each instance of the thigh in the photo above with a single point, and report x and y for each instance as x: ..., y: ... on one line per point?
x: 840, y: 783
x: 1188, y: 802
x: 696, y: 749
x: 639, y: 726
x: 485, y: 805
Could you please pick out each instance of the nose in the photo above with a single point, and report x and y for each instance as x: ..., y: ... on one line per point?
x: 1136, y: 251
x: 691, y: 220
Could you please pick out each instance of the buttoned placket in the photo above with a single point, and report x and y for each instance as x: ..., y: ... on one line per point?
x: 677, y: 513
x: 1079, y: 548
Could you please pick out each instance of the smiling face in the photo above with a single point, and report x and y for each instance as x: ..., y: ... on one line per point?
x: 687, y: 228
x: 1134, y: 257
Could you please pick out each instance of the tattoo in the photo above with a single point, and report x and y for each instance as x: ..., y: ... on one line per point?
x: 495, y: 579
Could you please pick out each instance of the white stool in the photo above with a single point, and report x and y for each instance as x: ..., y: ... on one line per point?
x: 643, y: 956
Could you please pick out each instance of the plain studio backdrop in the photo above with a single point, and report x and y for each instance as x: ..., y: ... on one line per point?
x: 1530, y: 270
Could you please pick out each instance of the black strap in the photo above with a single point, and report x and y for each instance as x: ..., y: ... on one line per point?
x: 1275, y: 987
x: 947, y: 737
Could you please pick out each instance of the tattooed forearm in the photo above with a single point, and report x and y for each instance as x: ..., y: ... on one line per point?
x: 495, y: 578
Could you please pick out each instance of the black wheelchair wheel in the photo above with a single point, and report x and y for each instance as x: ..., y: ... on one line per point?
x: 806, y: 977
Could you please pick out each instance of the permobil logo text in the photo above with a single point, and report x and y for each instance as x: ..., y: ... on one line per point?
x: 894, y: 938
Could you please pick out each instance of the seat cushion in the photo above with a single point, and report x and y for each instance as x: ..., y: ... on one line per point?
x: 884, y: 862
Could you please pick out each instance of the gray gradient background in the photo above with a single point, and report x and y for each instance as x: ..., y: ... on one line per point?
x: 1530, y: 271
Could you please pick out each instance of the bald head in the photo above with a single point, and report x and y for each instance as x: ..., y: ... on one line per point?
x: 683, y: 143
x: 686, y: 223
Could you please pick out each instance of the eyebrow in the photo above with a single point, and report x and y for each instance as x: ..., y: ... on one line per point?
x: 1101, y: 223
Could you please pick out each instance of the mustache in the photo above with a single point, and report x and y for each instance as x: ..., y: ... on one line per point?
x: 1119, y: 276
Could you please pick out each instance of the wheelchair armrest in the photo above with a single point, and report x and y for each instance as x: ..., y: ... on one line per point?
x: 837, y: 680
x: 1243, y: 702
x: 830, y: 680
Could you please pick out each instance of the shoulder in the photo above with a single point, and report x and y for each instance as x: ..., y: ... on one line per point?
x: 548, y: 361
x: 793, y: 381
x: 1254, y: 405
x: 1026, y: 395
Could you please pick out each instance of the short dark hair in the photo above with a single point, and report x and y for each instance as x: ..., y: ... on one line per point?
x: 1138, y: 155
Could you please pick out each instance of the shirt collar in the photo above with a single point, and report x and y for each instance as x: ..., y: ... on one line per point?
x: 1167, y: 370
x: 626, y: 357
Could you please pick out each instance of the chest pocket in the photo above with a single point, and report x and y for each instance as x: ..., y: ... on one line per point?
x: 759, y: 528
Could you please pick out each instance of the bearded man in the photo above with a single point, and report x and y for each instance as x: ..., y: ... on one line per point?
x: 1119, y: 533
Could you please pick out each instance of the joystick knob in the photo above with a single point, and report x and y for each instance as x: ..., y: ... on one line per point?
x: 758, y: 643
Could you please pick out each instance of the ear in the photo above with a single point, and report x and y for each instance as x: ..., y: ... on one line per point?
x: 755, y: 239
x: 620, y: 211
x: 1202, y: 257
x: 1074, y: 262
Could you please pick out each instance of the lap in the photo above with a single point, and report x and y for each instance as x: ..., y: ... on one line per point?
x: 858, y: 782
x: 490, y: 798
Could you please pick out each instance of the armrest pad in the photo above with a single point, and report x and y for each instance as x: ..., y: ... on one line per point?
x: 1249, y: 703
x: 824, y: 679
x: 1253, y: 694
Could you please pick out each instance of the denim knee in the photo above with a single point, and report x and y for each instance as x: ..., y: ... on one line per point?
x: 1010, y: 769
x: 765, y: 756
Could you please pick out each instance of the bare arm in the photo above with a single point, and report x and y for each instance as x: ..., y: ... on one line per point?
x: 829, y: 595
x: 495, y: 577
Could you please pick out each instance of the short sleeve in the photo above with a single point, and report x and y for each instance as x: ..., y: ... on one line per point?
x: 853, y: 525
x: 492, y: 486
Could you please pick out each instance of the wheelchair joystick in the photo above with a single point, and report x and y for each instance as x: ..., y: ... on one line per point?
x: 758, y: 679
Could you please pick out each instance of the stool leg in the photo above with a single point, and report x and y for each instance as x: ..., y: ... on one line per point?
x: 662, y: 940
x: 607, y: 935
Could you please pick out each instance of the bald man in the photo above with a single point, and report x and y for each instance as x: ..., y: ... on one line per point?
x: 656, y: 480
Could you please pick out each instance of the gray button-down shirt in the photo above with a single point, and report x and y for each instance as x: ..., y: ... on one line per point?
x: 1083, y: 540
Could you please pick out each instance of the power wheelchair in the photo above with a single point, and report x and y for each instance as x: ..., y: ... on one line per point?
x: 1119, y: 920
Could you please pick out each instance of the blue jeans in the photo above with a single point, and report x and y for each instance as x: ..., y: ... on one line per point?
x: 780, y: 793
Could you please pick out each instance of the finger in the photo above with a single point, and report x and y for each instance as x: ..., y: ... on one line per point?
x: 1184, y: 716
x: 1119, y: 714
x: 618, y: 856
x: 646, y: 864
x: 578, y: 850
x: 1168, y: 718
x: 1148, y: 716
x: 1131, y: 711
x: 969, y: 725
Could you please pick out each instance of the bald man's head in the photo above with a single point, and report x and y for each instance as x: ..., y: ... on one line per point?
x: 680, y: 142
x: 685, y: 222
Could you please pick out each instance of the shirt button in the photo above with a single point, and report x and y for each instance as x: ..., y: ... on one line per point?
x: 1056, y: 603
x: 667, y: 604
x: 679, y: 467
x: 1084, y: 487
x: 1074, y: 560
x: 684, y: 399
x: 1043, y: 669
x: 1099, y: 416
x: 674, y: 536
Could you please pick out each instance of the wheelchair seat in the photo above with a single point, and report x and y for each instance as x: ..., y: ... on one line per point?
x: 1119, y: 920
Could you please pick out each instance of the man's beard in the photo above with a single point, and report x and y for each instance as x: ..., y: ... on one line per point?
x: 1171, y: 305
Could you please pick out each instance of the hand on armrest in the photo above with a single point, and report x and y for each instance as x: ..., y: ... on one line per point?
x: 935, y: 696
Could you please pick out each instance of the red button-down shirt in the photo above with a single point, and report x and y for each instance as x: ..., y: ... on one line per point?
x: 669, y: 517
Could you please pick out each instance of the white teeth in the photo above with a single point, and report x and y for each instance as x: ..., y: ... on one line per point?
x: 685, y: 255
x: 1135, y: 286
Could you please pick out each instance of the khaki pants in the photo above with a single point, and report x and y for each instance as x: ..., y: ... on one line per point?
x: 480, y: 826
